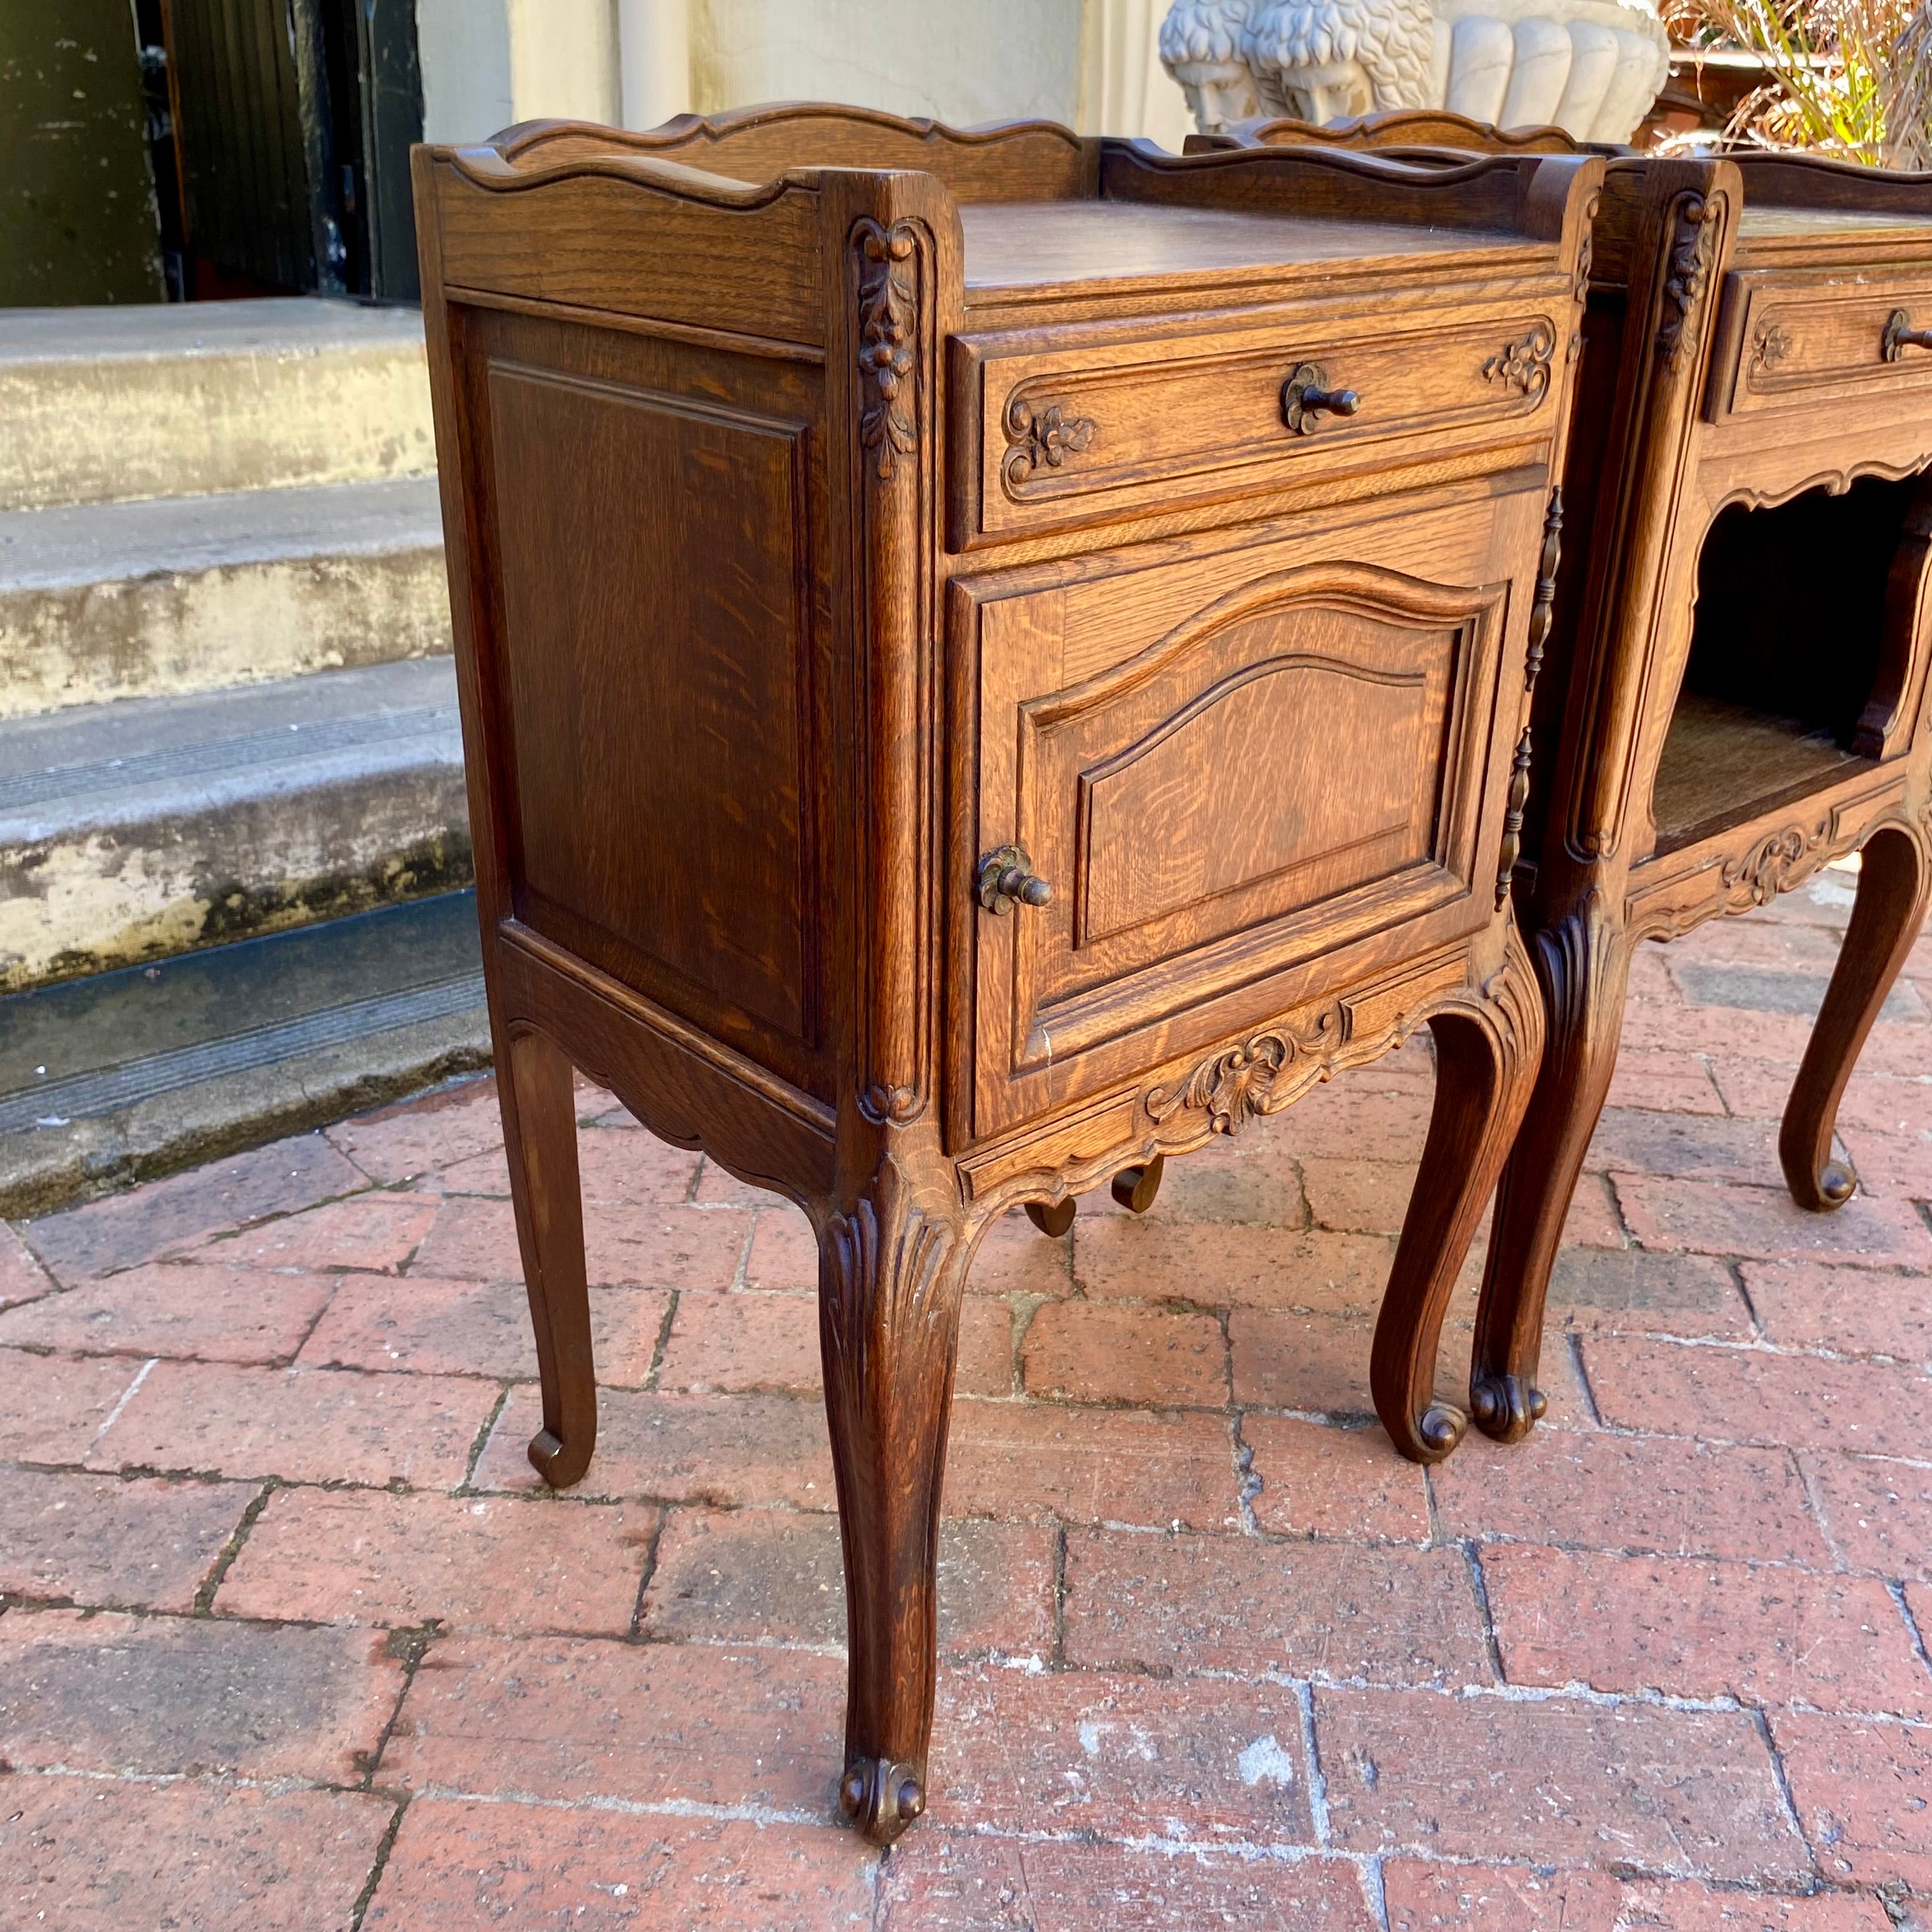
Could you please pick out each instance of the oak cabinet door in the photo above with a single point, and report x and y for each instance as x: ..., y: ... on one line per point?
x: 1245, y: 774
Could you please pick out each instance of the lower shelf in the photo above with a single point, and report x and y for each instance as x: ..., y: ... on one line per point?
x: 1723, y: 762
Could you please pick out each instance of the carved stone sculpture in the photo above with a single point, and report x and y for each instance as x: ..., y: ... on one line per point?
x: 1590, y: 67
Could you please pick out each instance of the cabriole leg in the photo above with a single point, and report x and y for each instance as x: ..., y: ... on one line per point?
x: 1485, y: 1063
x: 1894, y: 884
x: 1583, y: 962
x: 891, y: 1271
x: 540, y: 1134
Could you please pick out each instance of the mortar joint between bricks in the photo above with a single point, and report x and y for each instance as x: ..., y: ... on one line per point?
x: 648, y: 1570
x: 386, y: 1844
x: 1376, y: 1886
x: 1059, y: 1644
x: 1911, y: 1629
x: 1479, y: 1584
x: 1317, y: 1783
x: 661, y: 1347
x: 204, y: 1598
x: 1734, y: 1269
x: 1576, y: 1342
x: 467, y: 1487
x: 406, y: 1644
x: 1762, y: 1725
x: 1247, y: 1484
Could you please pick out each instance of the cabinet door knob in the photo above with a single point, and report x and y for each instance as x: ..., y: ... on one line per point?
x: 1900, y: 335
x: 1006, y: 879
x: 1304, y: 400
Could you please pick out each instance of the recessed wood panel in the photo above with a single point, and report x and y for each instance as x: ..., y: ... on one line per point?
x: 1234, y: 771
x: 653, y: 629
x: 1155, y: 840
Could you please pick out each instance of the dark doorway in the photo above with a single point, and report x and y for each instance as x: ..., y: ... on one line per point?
x: 292, y: 122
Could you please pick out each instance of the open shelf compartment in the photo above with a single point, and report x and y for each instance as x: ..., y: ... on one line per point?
x: 1799, y: 652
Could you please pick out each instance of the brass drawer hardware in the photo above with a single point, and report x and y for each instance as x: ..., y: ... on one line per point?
x: 1006, y: 879
x: 1304, y: 400
x: 1900, y: 335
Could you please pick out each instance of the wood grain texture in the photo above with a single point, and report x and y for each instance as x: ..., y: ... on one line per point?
x: 751, y: 699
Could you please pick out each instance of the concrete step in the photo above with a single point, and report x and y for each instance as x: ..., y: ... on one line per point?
x: 132, y: 831
x: 137, y: 1073
x: 179, y: 594
x: 175, y: 399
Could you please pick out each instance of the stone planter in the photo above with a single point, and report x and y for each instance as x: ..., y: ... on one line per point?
x: 1590, y: 67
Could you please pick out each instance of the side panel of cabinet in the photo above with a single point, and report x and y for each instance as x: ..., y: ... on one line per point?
x: 647, y: 510
x: 1249, y: 775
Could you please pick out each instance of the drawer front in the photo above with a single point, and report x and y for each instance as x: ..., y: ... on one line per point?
x: 1247, y: 777
x: 1791, y: 340
x: 1064, y: 436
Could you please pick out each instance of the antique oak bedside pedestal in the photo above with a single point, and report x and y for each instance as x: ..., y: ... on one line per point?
x: 986, y: 659
x: 1736, y: 688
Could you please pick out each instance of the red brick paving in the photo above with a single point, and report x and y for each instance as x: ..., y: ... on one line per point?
x: 291, y: 1639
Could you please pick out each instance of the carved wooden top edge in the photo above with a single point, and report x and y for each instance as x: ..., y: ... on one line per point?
x: 485, y: 167
x: 684, y: 130
x: 1370, y: 163
x: 1413, y: 127
x: 1778, y: 180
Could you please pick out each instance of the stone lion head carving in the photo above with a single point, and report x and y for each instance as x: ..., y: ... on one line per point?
x: 1204, y: 45
x: 1332, y: 59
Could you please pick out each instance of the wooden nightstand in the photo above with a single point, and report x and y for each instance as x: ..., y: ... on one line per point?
x: 1736, y: 692
x: 986, y: 660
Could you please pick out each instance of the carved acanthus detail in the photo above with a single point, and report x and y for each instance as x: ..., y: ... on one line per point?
x: 1524, y: 366
x: 885, y: 1277
x: 888, y: 329
x: 1542, y: 613
x: 1771, y: 344
x: 1776, y: 862
x: 1041, y: 433
x: 1231, y: 1087
x: 1696, y: 233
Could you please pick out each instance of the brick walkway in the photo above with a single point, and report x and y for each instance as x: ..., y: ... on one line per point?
x: 289, y: 1641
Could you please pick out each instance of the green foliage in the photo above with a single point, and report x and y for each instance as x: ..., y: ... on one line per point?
x: 1848, y: 78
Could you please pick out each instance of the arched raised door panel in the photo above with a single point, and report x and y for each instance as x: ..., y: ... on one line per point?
x: 1230, y: 791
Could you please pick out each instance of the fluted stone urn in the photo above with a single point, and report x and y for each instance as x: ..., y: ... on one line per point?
x: 1590, y: 67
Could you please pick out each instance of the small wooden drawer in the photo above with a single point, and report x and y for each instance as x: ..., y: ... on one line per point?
x: 1787, y: 339
x: 1057, y: 437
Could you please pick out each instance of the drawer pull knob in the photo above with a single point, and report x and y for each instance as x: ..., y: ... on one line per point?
x: 1305, y: 401
x: 1900, y: 335
x: 1006, y: 879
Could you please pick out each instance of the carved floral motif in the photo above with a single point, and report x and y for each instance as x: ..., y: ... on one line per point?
x: 1697, y: 231
x: 1771, y: 344
x: 1776, y: 862
x: 1234, y: 1085
x: 1042, y: 433
x: 1524, y: 366
x: 888, y: 324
